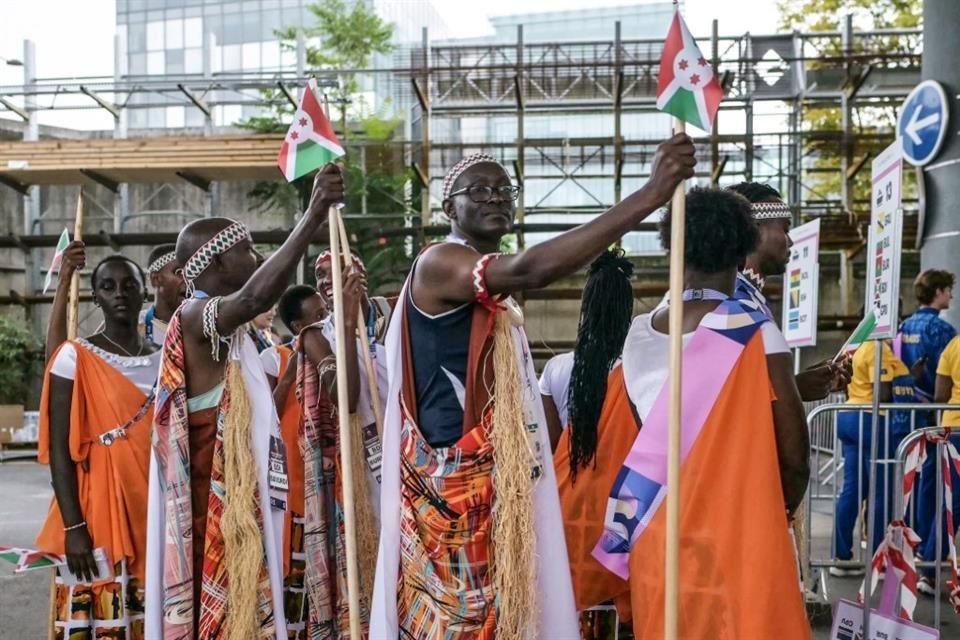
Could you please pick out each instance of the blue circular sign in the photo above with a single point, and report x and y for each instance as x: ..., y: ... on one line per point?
x: 922, y: 123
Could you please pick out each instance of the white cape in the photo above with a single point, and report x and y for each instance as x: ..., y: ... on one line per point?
x: 557, y: 615
x: 265, y: 424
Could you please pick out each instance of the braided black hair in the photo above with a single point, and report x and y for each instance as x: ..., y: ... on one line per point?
x: 605, y: 313
x: 117, y: 257
x: 756, y: 191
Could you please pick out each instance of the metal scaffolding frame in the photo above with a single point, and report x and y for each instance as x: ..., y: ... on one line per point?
x: 520, y: 83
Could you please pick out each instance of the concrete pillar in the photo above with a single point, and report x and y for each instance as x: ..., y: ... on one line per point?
x: 941, y: 232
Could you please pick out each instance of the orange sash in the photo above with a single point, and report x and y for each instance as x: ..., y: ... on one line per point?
x: 738, y: 575
x: 113, y: 491
x: 290, y: 419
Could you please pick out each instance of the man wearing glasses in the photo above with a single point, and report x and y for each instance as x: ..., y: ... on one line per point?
x: 465, y: 429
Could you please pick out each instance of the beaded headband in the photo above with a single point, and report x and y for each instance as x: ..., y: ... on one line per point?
x: 463, y: 165
x: 770, y: 210
x: 326, y: 256
x: 215, y: 246
x: 161, y: 262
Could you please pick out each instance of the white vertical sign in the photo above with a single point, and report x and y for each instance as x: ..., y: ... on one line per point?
x: 884, y: 241
x: 801, y: 289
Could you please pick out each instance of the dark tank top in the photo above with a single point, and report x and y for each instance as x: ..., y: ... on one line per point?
x: 440, y: 346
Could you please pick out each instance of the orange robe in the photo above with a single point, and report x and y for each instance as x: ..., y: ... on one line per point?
x: 738, y: 574
x: 111, y: 480
x: 290, y: 419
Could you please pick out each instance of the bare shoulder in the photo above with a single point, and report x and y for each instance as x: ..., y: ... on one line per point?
x: 436, y: 262
x: 191, y: 318
x: 314, y: 342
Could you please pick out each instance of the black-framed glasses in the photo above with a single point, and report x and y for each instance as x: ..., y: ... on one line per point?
x: 481, y: 193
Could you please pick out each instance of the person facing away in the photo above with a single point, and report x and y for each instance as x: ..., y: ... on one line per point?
x: 923, y: 338
x: 573, y: 384
x: 470, y: 541
x: 219, y: 474
x: 98, y: 447
x: 770, y: 258
x: 947, y: 390
x: 740, y: 402
x: 854, y: 430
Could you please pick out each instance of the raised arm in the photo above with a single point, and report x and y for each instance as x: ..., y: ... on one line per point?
x: 790, y: 431
x: 74, y: 259
x: 447, y: 270
x: 268, y: 282
x: 319, y: 352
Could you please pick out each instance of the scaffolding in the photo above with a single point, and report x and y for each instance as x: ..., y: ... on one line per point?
x: 501, y: 98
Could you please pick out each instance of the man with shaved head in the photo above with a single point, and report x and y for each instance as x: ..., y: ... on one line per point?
x: 471, y: 540
x: 218, y: 477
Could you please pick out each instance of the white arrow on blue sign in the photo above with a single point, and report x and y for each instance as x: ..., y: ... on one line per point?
x: 922, y: 123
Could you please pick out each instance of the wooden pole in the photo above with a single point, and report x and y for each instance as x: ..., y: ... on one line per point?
x: 346, y: 443
x: 73, y: 304
x: 672, y: 588
x: 372, y: 385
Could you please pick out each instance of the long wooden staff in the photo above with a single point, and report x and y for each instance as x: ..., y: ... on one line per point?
x: 672, y: 590
x: 73, y: 303
x: 372, y: 385
x: 346, y: 442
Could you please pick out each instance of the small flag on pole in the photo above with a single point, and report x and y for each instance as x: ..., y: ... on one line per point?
x: 687, y: 88
x: 27, y: 559
x: 57, y: 258
x: 860, y: 335
x: 310, y: 142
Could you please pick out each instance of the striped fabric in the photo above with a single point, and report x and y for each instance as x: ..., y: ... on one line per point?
x: 172, y: 454
x: 325, y: 570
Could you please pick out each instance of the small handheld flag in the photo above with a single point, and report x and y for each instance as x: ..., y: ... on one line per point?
x: 860, y: 335
x: 27, y: 559
x: 687, y: 88
x: 310, y: 142
x: 57, y: 258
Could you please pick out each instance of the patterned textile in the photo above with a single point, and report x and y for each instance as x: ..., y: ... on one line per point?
x: 326, y: 570
x: 294, y: 595
x: 107, y: 610
x: 445, y: 529
x: 172, y: 455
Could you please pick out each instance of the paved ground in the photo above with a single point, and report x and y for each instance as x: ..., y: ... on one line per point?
x: 25, y: 491
x: 24, y: 599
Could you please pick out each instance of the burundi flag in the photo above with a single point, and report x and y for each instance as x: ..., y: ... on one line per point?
x: 27, y: 559
x: 310, y: 142
x: 687, y: 87
x: 57, y: 258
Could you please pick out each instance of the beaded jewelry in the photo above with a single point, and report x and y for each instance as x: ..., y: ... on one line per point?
x: 480, y: 291
x: 209, y: 317
x: 217, y: 245
x: 161, y: 262
x: 770, y: 210
x: 463, y: 165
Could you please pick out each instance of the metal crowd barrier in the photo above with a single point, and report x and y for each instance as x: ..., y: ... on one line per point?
x: 826, y: 467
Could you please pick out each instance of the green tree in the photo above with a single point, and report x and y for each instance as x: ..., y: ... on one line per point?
x: 349, y: 37
x: 872, y: 124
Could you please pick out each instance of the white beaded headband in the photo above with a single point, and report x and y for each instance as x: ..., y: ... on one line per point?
x: 463, y: 165
x: 770, y: 210
x: 161, y: 262
x: 215, y: 246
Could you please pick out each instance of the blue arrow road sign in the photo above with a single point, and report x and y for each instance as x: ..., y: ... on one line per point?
x: 922, y: 122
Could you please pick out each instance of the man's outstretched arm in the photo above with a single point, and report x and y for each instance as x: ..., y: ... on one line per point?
x: 447, y: 271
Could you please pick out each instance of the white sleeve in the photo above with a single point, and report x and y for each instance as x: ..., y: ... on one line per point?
x: 270, y: 359
x: 546, y: 378
x: 773, y: 340
x: 65, y: 363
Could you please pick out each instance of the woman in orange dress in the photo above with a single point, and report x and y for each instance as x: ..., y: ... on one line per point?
x: 96, y: 412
